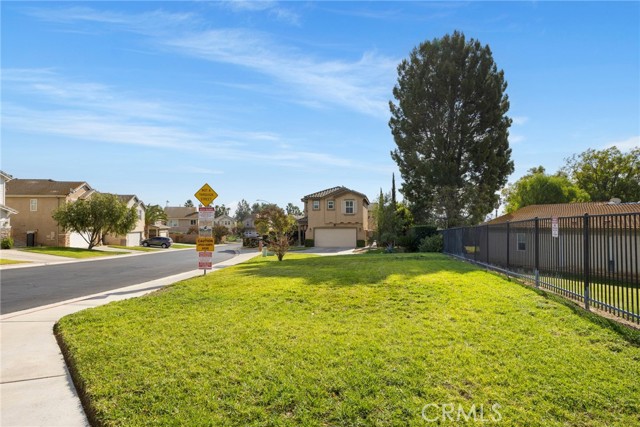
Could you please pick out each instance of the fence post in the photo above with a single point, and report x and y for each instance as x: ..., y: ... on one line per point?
x: 508, y: 240
x: 587, y: 256
x: 487, y: 244
x: 537, y: 251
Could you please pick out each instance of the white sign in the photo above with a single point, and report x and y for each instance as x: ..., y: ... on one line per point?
x: 554, y: 227
x: 206, y: 213
x: 205, y: 260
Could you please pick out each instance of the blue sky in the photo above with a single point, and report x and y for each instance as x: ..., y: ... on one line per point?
x: 275, y: 100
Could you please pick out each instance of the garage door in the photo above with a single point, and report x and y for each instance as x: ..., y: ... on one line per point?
x: 335, y: 237
x: 77, y: 241
x: 133, y: 239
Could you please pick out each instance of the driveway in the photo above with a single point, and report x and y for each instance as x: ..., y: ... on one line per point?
x: 328, y: 251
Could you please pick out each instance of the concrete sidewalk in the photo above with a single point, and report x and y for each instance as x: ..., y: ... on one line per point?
x: 35, y: 386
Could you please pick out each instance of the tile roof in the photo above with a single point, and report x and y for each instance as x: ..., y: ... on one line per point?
x: 568, y: 210
x: 43, y: 187
x: 334, y: 191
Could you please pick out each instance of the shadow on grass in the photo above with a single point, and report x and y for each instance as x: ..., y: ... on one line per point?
x: 354, y: 270
x: 350, y: 270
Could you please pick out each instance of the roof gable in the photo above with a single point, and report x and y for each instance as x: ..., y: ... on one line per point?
x: 45, y: 187
x: 333, y: 192
x: 180, y: 211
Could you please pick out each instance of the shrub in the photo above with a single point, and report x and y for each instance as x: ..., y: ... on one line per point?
x: 7, y: 243
x: 309, y: 243
x: 360, y: 244
x: 432, y: 243
x: 415, y: 235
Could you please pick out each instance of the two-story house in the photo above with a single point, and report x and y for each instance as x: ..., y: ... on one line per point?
x: 36, y: 200
x: 5, y: 211
x: 225, y: 221
x: 181, y: 220
x: 336, y: 217
x: 135, y: 236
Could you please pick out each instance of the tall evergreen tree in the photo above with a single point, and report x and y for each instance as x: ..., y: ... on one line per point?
x: 393, y: 190
x: 243, y: 210
x: 451, y: 130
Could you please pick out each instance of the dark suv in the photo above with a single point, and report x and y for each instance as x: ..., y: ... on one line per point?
x: 165, y: 242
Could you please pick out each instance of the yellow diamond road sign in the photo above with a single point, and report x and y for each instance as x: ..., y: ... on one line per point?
x: 206, y: 195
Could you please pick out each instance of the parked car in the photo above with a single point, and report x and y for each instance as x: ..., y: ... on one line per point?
x: 165, y: 242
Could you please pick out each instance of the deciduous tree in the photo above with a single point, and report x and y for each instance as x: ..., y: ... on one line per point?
x: 274, y: 222
x: 537, y: 188
x: 607, y: 173
x: 100, y: 215
x: 293, y: 209
x: 450, y: 126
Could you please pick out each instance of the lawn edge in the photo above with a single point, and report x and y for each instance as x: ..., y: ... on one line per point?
x: 78, y: 383
x: 626, y: 330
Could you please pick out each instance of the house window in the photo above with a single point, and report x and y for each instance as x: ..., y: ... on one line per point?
x: 139, y: 213
x: 173, y: 223
x: 316, y: 205
x: 349, y: 207
x: 33, y: 205
x: 193, y: 222
x: 522, y: 241
x: 330, y: 204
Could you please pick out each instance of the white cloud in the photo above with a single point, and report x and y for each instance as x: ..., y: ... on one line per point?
x: 94, y: 112
x: 626, y: 144
x: 520, y: 120
x: 516, y: 139
x: 362, y: 85
x: 272, y: 7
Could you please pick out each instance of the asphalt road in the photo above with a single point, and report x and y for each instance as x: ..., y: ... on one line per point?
x: 25, y: 288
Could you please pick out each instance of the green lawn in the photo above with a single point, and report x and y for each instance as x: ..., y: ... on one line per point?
x: 347, y: 341
x: 182, y: 246
x: 4, y: 261
x: 72, y: 252
x: 134, y: 248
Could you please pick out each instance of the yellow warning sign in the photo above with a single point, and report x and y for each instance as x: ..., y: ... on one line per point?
x: 204, y: 244
x: 206, y: 195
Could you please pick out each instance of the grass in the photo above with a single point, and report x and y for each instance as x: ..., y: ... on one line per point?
x: 4, y: 261
x: 71, y: 252
x: 360, y: 340
x: 182, y: 246
x: 134, y: 248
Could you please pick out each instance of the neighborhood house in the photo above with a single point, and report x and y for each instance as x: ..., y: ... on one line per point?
x: 5, y: 211
x: 135, y: 236
x: 35, y: 200
x: 336, y: 217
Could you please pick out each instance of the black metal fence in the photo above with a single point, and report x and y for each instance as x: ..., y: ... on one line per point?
x: 590, y: 258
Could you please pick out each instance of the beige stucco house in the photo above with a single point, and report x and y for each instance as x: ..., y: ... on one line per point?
x: 5, y: 211
x: 336, y: 217
x: 35, y: 200
x: 181, y: 219
x: 225, y: 221
x: 135, y: 236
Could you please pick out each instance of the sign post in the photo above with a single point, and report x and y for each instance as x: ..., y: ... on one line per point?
x: 554, y: 227
x: 205, y: 244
